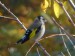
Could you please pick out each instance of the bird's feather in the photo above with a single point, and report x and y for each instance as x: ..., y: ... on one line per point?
x: 35, y: 25
x: 26, y: 37
x: 35, y: 31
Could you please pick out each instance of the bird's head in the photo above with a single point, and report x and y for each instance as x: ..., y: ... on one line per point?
x: 41, y: 18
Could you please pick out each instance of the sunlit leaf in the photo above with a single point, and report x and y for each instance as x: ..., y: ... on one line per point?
x: 56, y: 9
x: 49, y: 3
x: 44, y: 5
x: 66, y: 5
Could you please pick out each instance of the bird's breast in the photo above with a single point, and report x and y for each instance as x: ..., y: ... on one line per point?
x: 41, y: 32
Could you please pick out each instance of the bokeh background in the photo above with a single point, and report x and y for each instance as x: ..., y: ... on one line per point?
x: 27, y: 11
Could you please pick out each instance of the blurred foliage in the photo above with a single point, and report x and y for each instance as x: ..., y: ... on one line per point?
x: 26, y: 11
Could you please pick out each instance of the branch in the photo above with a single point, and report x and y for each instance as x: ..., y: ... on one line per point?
x: 44, y: 50
x: 72, y: 4
x: 67, y: 34
x: 67, y: 14
x: 7, y: 18
x: 53, y: 35
x: 62, y: 54
x: 49, y: 19
x: 38, y: 52
x: 30, y: 49
x: 65, y: 43
x: 13, y: 15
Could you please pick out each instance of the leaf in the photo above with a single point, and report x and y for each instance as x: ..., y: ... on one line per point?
x: 56, y: 9
x: 49, y: 3
x: 44, y: 5
x: 66, y: 5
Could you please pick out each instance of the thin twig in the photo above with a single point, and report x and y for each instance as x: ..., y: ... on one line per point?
x: 8, y: 18
x: 44, y: 50
x: 54, y: 35
x: 38, y: 52
x: 65, y: 43
x: 30, y: 49
x: 67, y: 14
x: 67, y: 34
x: 62, y: 53
x: 72, y: 4
x: 12, y: 15
x: 58, y: 25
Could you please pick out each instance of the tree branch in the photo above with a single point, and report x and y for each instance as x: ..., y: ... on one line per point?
x: 8, y: 18
x: 13, y: 15
x: 54, y: 35
x: 38, y: 52
x: 49, y: 19
x: 67, y: 34
x: 65, y: 43
x: 44, y: 50
x: 67, y: 14
x: 72, y: 4
x: 30, y: 49
x: 62, y: 53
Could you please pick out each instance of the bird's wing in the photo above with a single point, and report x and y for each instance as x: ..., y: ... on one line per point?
x: 26, y: 37
x: 29, y: 34
x: 35, y: 31
x: 35, y: 25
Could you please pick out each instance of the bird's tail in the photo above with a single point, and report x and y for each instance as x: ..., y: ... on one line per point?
x: 19, y: 41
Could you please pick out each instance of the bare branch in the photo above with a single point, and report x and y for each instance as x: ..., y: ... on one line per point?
x: 54, y: 35
x: 8, y: 18
x: 67, y: 34
x: 13, y: 15
x: 44, y: 50
x: 62, y: 53
x: 65, y: 44
x: 72, y: 4
x: 30, y: 49
x: 68, y: 15
x: 38, y: 52
x: 58, y: 25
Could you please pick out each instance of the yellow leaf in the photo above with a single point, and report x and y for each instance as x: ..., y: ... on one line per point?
x: 56, y: 9
x: 66, y: 5
x: 49, y: 3
x: 44, y: 5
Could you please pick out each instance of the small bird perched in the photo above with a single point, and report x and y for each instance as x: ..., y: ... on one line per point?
x: 36, y: 29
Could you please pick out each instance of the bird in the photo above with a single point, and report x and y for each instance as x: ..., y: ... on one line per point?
x: 36, y: 30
